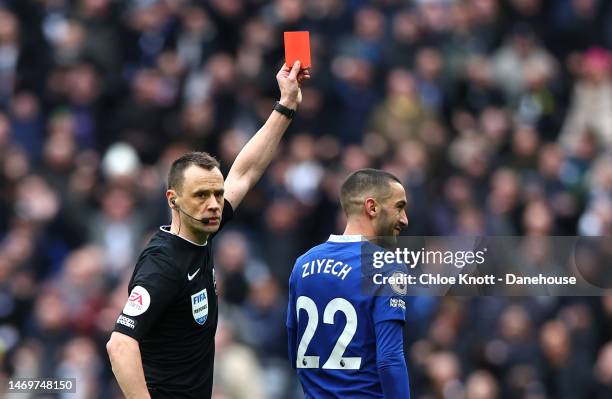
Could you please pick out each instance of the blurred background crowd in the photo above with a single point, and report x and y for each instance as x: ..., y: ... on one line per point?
x: 496, y: 115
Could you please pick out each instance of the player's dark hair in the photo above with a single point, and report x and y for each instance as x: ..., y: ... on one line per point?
x: 374, y: 182
x: 177, y: 175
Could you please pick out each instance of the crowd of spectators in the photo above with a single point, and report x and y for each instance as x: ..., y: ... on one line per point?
x: 496, y: 115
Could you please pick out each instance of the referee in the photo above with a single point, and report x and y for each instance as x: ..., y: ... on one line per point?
x: 163, y: 344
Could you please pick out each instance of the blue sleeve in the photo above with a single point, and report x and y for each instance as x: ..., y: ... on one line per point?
x: 389, y: 308
x: 291, y: 325
x: 390, y: 359
x: 292, y: 338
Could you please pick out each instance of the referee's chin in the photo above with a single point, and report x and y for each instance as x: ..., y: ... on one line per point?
x: 210, y: 228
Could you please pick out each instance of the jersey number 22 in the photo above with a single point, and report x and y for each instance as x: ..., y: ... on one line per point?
x: 335, y: 361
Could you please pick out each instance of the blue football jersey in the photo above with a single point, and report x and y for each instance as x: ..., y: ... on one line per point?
x: 333, y: 319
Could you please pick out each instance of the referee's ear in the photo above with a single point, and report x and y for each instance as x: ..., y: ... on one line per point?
x: 171, y: 197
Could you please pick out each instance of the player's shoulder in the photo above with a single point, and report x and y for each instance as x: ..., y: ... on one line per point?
x: 314, y: 250
x: 323, y: 248
x: 328, y: 249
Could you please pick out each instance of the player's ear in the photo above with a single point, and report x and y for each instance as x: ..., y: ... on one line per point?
x: 371, y: 207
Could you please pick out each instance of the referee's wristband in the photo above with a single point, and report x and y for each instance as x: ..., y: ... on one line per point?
x: 288, y: 112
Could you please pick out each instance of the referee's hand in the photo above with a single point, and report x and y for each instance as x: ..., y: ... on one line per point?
x: 289, y: 80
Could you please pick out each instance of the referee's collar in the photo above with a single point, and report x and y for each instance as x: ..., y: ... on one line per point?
x: 346, y: 238
x: 166, y: 229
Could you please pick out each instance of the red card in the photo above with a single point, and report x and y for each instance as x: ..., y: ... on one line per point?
x: 297, y: 47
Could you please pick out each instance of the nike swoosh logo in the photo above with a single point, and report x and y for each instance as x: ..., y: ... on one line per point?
x: 191, y: 276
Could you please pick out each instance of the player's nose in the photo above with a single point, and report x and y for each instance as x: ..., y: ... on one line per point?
x: 403, y: 219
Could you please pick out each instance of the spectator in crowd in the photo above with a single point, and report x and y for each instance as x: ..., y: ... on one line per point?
x: 591, y: 100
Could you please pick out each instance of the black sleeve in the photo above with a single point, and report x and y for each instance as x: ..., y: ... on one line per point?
x: 227, y: 215
x: 154, y: 286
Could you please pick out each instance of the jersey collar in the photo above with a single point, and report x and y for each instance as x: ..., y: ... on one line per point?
x: 166, y: 229
x: 346, y: 238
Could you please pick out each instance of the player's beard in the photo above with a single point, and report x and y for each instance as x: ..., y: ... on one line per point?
x: 385, y: 231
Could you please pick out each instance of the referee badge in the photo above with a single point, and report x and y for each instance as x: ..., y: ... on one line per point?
x: 199, y: 306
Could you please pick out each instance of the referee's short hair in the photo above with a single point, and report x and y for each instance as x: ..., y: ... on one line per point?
x: 365, y: 183
x: 201, y: 159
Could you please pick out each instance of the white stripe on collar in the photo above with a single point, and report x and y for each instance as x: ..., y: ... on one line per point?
x: 167, y: 230
x: 346, y: 238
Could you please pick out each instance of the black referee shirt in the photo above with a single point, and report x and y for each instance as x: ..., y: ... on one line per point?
x: 172, y: 313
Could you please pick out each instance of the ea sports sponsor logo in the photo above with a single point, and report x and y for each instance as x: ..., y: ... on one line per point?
x: 138, y: 302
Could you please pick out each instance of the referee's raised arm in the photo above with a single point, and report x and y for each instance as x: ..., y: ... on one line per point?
x: 256, y: 155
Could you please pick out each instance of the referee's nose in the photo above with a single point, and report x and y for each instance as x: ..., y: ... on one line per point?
x: 213, y: 205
